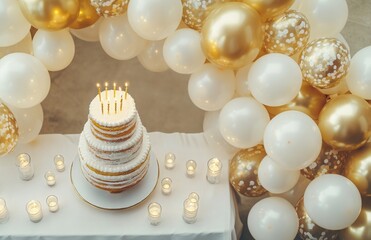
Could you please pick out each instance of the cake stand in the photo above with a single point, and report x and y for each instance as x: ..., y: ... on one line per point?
x: 114, y: 201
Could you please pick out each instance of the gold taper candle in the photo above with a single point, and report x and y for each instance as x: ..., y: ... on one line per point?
x: 120, y: 90
x: 106, y: 86
x: 114, y: 90
x: 126, y: 90
x: 100, y: 96
x: 108, y: 107
x: 115, y: 106
x: 102, y: 107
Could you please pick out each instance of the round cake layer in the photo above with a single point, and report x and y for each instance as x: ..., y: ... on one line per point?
x: 114, y: 136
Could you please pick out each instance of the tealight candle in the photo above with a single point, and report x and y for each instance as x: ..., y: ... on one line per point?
x: 191, y: 168
x: 166, y: 185
x: 4, y: 214
x: 169, y: 160
x: 50, y: 178
x: 34, y: 211
x: 190, y: 211
x: 214, y: 168
x: 193, y: 197
x: 154, y: 213
x: 59, y: 163
x: 52, y: 202
x: 25, y: 167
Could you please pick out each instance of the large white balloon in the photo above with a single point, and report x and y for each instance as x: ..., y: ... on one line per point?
x: 332, y: 201
x: 151, y: 57
x: 242, y: 86
x: 359, y: 75
x: 211, y: 88
x: 275, y: 79
x: 24, y: 80
x: 293, y: 140
x: 326, y: 17
x: 13, y: 25
x: 29, y: 121
x: 89, y: 34
x: 242, y: 122
x: 273, y: 218
x: 155, y: 19
x: 119, y: 40
x: 25, y: 46
x: 182, y: 51
x: 275, y: 178
x: 54, y: 49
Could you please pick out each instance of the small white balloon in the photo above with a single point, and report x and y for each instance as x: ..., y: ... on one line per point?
x: 54, y: 49
x: 293, y: 140
x: 275, y: 178
x: 211, y: 88
x: 274, y: 79
x: 24, y: 80
x: 152, y: 58
x: 88, y: 34
x: 183, y: 52
x: 332, y: 201
x: 242, y: 86
x: 273, y: 218
x: 242, y: 122
x: 155, y: 19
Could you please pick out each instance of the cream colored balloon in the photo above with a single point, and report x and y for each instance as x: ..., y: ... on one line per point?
x: 152, y: 57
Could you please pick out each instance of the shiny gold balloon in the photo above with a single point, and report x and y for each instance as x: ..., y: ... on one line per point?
x: 232, y: 35
x: 309, y: 101
x: 50, y: 14
x: 269, y: 8
x: 329, y: 161
x: 8, y: 130
x: 243, y: 171
x: 358, y: 169
x: 345, y: 122
x: 110, y: 8
x: 324, y: 62
x: 308, y: 229
x: 287, y: 33
x: 87, y: 16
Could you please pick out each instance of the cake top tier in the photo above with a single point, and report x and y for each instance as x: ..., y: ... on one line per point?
x: 112, y: 111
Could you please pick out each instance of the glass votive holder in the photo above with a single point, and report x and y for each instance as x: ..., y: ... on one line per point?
x: 4, y: 214
x: 190, y: 209
x: 50, y: 178
x: 34, y: 211
x: 154, y: 213
x: 25, y: 167
x: 166, y: 185
x: 59, y: 162
x: 191, y: 168
x: 214, y: 169
x: 52, y: 202
x: 193, y: 197
x: 170, y: 160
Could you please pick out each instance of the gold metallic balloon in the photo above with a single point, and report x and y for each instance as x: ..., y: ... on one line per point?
x: 87, y: 16
x: 309, y: 101
x: 345, y: 122
x: 329, y: 161
x: 287, y: 33
x: 308, y: 229
x: 358, y: 169
x: 243, y: 171
x: 8, y: 130
x: 269, y: 8
x: 324, y: 62
x: 110, y: 8
x: 232, y: 35
x: 50, y: 14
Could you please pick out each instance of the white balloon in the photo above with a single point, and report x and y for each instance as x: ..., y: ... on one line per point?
x: 25, y: 46
x: 24, y: 80
x: 276, y: 179
x: 273, y: 218
x: 29, y: 121
x: 242, y: 122
x: 155, y: 19
x: 54, y: 49
x: 211, y: 88
x: 183, y: 52
x: 242, y: 86
x: 275, y: 79
x: 13, y: 25
x: 89, y: 34
x: 326, y: 17
x: 119, y: 40
x: 359, y: 75
x: 293, y: 140
x: 296, y: 5
x: 332, y: 201
x: 151, y: 57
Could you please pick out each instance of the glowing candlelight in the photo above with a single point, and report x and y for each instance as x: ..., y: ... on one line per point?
x: 114, y: 90
x: 190, y: 211
x: 166, y: 185
x: 50, y: 178
x: 120, y: 98
x: 99, y: 93
x: 52, y: 202
x: 191, y: 168
x: 126, y: 90
x: 106, y: 87
x: 170, y: 160
x: 4, y: 214
x: 154, y: 213
x: 34, y: 211
x: 59, y: 162
x: 214, y: 168
x: 25, y: 167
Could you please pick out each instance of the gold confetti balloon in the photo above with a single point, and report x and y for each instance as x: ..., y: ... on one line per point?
x: 345, y: 122
x: 324, y: 62
x: 87, y: 15
x: 8, y: 130
x: 308, y: 229
x: 269, y: 8
x: 287, y: 33
x: 243, y: 171
x: 110, y: 8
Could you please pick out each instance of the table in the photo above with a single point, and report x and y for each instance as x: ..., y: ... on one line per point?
x: 77, y: 219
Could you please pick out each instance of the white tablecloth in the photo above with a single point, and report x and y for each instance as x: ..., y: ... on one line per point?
x: 77, y: 219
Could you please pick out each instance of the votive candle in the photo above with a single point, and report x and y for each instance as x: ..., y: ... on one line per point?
x: 166, y: 185
x: 154, y: 213
x: 4, y: 214
x: 170, y: 160
x: 25, y: 168
x: 52, y: 202
x: 190, y: 209
x: 59, y: 162
x: 34, y: 211
x: 194, y: 197
x: 50, y: 178
x: 214, y: 168
x: 191, y: 168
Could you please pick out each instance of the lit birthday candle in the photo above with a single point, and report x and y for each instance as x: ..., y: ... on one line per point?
x: 126, y: 90
x: 121, y: 99
x: 99, y: 93
x: 106, y: 88
x: 114, y: 90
